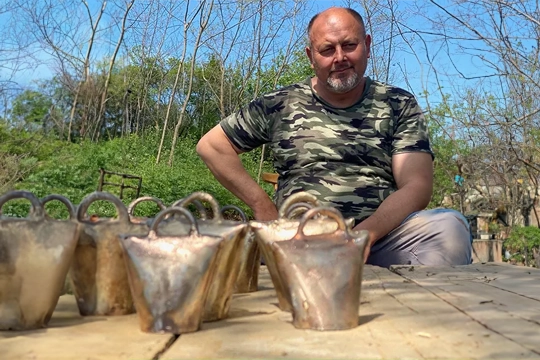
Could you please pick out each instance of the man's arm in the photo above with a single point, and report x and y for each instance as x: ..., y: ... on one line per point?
x: 221, y: 157
x: 413, y: 173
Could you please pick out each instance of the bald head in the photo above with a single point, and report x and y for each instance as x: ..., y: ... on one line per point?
x: 338, y: 51
x: 335, y: 14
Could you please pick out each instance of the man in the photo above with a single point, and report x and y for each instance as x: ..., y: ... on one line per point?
x: 357, y: 144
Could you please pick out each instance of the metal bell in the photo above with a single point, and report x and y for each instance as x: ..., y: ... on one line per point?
x: 35, y: 254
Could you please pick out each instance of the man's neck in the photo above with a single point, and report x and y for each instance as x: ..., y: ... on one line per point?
x: 338, y: 100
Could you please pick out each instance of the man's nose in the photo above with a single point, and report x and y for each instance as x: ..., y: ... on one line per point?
x: 340, y: 54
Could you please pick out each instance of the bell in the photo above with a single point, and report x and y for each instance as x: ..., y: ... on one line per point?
x: 285, y: 228
x: 250, y: 258
x: 322, y: 273
x: 229, y: 255
x: 98, y: 273
x: 35, y: 253
x: 170, y: 275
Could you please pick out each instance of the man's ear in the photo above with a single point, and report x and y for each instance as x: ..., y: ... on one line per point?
x: 367, y: 42
x: 310, y: 56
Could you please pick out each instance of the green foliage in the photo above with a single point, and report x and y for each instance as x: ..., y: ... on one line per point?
x: 523, y: 243
x: 73, y: 171
x: 30, y: 109
x: 297, y: 69
x: 446, y: 150
x: 20, y: 153
x: 283, y: 71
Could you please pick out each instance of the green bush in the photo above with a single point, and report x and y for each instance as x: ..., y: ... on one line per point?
x: 523, y: 243
x: 72, y: 170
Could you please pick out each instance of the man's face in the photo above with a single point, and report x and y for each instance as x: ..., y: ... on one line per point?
x: 338, y: 51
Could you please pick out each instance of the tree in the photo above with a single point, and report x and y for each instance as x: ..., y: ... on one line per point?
x: 188, y: 21
x: 86, y: 73
x: 490, y: 106
x: 30, y: 110
x: 203, y: 23
x: 102, y: 104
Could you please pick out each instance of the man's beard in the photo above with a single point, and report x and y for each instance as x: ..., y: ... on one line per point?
x: 341, y: 85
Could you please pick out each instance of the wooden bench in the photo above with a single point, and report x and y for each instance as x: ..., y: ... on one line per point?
x: 271, y: 178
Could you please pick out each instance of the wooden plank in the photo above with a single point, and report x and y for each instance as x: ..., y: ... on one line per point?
x: 453, y: 334
x: 485, y: 294
x: 398, y: 319
x: 520, y: 280
x: 70, y: 336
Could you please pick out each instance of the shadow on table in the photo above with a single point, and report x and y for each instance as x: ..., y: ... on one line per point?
x: 364, y: 319
x: 239, y: 313
x: 58, y: 322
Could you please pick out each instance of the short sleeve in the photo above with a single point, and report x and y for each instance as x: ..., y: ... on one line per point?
x: 248, y: 128
x: 411, y: 133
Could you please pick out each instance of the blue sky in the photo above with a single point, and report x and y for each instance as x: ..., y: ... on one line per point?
x: 419, y: 75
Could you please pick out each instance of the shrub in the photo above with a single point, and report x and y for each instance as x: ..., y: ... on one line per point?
x: 523, y: 244
x: 73, y: 171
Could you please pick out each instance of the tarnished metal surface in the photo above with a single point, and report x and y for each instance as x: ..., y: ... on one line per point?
x: 284, y: 229
x: 250, y: 258
x: 297, y: 210
x: 250, y: 263
x: 170, y: 274
x: 304, y: 198
x: 140, y: 219
x: 98, y: 273
x: 228, y: 258
x: 72, y: 211
x: 322, y: 274
x: 35, y: 253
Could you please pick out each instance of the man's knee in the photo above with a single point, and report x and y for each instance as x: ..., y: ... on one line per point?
x: 448, y: 238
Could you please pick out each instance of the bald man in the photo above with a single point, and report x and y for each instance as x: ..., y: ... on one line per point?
x: 357, y: 144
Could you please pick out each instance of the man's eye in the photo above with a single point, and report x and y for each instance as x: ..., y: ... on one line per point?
x: 327, y: 51
x: 349, y: 47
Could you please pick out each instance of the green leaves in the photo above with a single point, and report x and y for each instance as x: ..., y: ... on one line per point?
x: 523, y: 244
x: 30, y: 108
x: 73, y: 171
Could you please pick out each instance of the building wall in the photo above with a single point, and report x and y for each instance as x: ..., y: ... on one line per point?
x: 487, y: 251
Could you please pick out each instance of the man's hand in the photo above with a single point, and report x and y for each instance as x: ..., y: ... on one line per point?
x: 413, y: 173
x: 267, y: 213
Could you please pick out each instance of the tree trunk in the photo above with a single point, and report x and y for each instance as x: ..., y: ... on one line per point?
x: 202, y: 27
x: 109, y: 73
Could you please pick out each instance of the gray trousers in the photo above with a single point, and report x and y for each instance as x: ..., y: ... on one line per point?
x: 436, y: 237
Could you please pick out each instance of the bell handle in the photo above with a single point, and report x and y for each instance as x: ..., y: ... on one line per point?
x: 199, y: 205
x: 64, y: 200
x: 121, y: 210
x: 299, y: 205
x: 201, y: 196
x: 134, y: 203
x: 36, y: 211
x: 327, y: 211
x: 193, y: 228
x: 303, y: 197
x: 236, y: 209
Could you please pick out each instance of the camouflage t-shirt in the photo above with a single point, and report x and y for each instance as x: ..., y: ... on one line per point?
x: 342, y: 156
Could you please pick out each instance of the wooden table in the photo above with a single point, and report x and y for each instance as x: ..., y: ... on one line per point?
x: 476, y: 311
